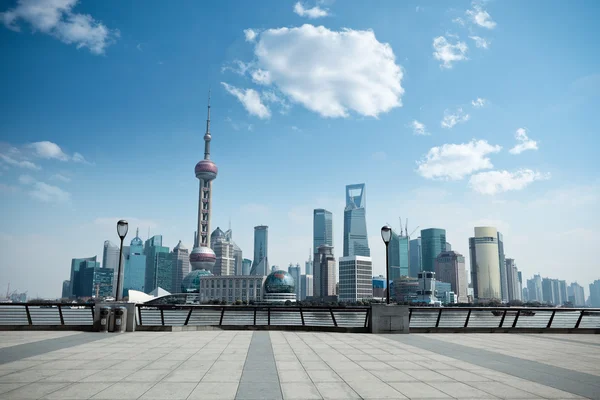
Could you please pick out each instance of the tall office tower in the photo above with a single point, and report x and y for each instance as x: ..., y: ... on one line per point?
x: 595, y: 293
x: 78, y: 265
x: 355, y: 222
x: 66, y: 289
x: 512, y: 279
x: 562, y: 289
x: 296, y: 272
x: 110, y: 259
x: 518, y: 286
x: 547, y: 291
x: 520, y: 279
x: 308, y: 265
x: 223, y: 248
x: 152, y: 249
x: 525, y: 295
x: 415, y: 263
x: 356, y: 282
x: 260, y: 264
x: 448, y: 246
x: 135, y: 266
x: 237, y: 253
x: 181, y: 266
x: 165, y: 266
x: 399, y: 260
x: 576, y: 294
x: 450, y: 267
x: 202, y: 256
x: 502, y: 263
x: 485, y: 270
x: 557, y: 298
x: 433, y: 242
x: 246, y: 266
x: 379, y: 287
x: 307, y: 286
x: 322, y: 230
x: 324, y: 269
x: 534, y: 287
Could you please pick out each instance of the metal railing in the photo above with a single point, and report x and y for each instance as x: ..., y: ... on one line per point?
x: 465, y: 319
x: 48, y: 315
x: 258, y: 317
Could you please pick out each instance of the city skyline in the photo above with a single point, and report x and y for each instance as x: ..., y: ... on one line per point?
x: 88, y: 152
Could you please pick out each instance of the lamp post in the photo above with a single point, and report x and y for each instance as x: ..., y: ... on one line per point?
x: 122, y: 227
x: 386, y: 235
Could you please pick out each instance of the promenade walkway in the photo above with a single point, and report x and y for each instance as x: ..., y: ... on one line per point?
x: 297, y: 365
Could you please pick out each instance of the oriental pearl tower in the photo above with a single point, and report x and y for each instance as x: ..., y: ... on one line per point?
x: 202, y: 256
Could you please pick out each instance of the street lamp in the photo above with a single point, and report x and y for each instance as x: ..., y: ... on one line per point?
x: 386, y: 235
x: 122, y: 227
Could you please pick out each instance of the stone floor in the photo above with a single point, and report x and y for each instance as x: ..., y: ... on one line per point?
x: 297, y: 365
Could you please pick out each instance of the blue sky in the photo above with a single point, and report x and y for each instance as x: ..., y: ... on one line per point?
x: 454, y: 114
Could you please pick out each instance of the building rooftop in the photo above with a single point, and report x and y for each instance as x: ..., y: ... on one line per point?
x: 296, y: 365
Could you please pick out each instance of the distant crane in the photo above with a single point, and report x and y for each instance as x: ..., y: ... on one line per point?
x: 414, y: 230
x: 400, y: 218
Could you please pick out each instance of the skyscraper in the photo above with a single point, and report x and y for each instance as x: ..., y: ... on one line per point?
x: 512, y: 279
x: 237, y: 253
x: 307, y: 286
x: 202, y: 256
x: 595, y: 293
x: 246, y: 266
x: 501, y: 263
x: 355, y: 222
x: 356, y: 274
x: 415, y: 263
x: 534, y: 288
x: 399, y: 261
x: 433, y: 242
x: 165, y: 269
x: 135, y: 266
x: 181, y: 266
x: 296, y: 273
x: 223, y: 248
x: 89, y: 280
x: 485, y: 268
x: 110, y: 259
x: 450, y: 267
x: 576, y: 294
x: 77, y: 266
x: 322, y: 230
x: 260, y: 264
x: 152, y: 248
x: 66, y: 289
x: 324, y: 269
x: 548, y: 291
x: 308, y: 265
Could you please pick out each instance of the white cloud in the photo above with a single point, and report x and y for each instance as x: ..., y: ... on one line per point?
x: 455, y: 161
x: 78, y: 158
x: 480, y: 42
x: 261, y: 77
x: 48, y: 150
x: 60, y: 177
x: 43, y: 192
x: 250, y: 99
x: 312, y: 13
x: 238, y: 67
x: 56, y: 18
x: 451, y: 119
x: 459, y: 21
x: 419, y: 128
x: 447, y: 52
x: 250, y: 35
x: 18, y: 163
x: 492, y: 182
x: 524, y: 142
x: 481, y: 17
x: 479, y: 102
x: 332, y: 72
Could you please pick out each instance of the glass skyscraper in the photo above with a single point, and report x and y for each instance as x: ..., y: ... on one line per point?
x: 77, y: 267
x: 355, y: 222
x: 152, y: 248
x: 503, y: 276
x: 135, y: 266
x: 433, y: 242
x: 322, y: 231
x: 399, y: 261
x: 485, y: 268
x: 416, y: 264
x: 260, y: 264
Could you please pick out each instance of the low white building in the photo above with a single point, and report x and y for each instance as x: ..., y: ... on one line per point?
x: 231, y: 288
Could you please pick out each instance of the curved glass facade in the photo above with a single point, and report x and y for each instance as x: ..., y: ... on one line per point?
x: 433, y: 242
x: 279, y: 282
x: 485, y: 268
x: 355, y: 222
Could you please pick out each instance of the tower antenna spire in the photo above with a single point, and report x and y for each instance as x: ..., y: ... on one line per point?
x: 207, y: 135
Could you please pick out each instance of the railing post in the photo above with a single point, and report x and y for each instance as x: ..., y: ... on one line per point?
x: 367, y: 317
x: 222, y: 314
x: 62, y: 320
x: 409, y: 314
x: 162, y: 317
x: 254, y: 316
x: 502, y: 319
x: 269, y: 316
x: 437, y: 322
x: 516, y: 318
x: 551, y: 318
x: 467, y: 320
x: 579, y: 319
x: 333, y: 317
x: 188, y: 316
x: 302, y: 316
x: 28, y: 315
x: 92, y: 309
x: 139, y: 308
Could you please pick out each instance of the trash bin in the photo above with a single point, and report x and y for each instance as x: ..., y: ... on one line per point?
x: 120, y: 319
x: 104, y: 318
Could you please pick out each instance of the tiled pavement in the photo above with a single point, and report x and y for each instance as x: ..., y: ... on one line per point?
x: 297, y: 365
